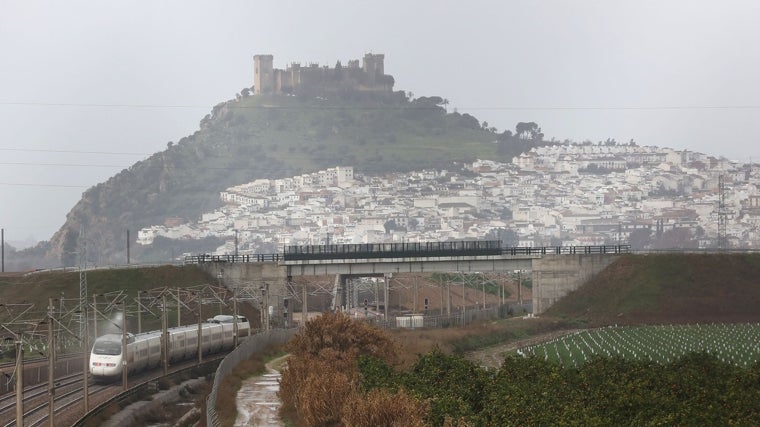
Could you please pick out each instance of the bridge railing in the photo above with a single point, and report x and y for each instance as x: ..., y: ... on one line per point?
x: 202, y: 258
x: 392, y: 250
x: 568, y: 250
x: 404, y: 250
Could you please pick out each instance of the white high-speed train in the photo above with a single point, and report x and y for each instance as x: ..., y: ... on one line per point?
x: 144, y: 350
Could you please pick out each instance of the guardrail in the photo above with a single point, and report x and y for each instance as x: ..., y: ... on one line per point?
x: 568, y: 250
x: 199, y: 259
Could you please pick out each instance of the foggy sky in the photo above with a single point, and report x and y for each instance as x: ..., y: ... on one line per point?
x: 87, y: 88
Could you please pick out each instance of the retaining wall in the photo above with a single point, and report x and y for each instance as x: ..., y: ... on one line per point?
x: 554, y: 276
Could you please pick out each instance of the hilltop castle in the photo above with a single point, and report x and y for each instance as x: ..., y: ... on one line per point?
x: 314, y: 79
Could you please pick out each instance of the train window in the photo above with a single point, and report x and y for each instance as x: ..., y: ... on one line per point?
x: 110, y: 348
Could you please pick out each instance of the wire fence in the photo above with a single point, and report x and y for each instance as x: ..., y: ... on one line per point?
x: 455, y: 319
x: 254, y: 344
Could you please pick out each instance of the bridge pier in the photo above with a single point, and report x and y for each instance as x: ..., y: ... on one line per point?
x: 554, y: 276
x: 249, y: 278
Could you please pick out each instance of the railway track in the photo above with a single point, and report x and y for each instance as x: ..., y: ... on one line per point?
x: 69, y: 396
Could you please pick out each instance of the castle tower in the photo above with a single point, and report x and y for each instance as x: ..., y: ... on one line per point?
x: 263, y: 74
x: 373, y: 66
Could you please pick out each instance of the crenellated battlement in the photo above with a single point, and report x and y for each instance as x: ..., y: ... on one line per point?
x: 313, y: 79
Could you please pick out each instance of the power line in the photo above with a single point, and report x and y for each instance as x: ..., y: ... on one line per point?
x: 19, y: 184
x: 97, y: 105
x: 82, y: 165
x: 45, y: 150
x: 401, y: 107
x: 60, y: 164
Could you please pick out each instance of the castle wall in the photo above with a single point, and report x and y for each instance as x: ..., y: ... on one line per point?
x: 314, y: 79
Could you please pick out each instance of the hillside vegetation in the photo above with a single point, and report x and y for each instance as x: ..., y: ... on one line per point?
x: 266, y: 137
x: 17, y: 291
x: 668, y: 288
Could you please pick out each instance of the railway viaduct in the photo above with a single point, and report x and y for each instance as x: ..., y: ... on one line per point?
x: 555, y: 271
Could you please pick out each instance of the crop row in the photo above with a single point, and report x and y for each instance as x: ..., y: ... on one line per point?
x: 738, y: 344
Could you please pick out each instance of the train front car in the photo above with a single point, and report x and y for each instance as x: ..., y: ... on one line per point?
x: 106, y: 357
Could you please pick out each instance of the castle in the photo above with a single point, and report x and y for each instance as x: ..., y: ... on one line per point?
x: 315, y: 80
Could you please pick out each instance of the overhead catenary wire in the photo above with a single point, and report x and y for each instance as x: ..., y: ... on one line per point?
x: 334, y: 107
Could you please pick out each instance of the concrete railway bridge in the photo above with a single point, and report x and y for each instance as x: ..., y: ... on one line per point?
x: 268, y: 278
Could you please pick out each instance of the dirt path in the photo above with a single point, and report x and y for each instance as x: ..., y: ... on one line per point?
x: 257, y: 400
x: 492, y: 357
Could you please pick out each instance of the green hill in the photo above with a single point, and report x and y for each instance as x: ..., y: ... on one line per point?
x: 668, y: 288
x: 266, y: 137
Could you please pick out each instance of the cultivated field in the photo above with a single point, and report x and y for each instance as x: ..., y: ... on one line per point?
x: 737, y: 344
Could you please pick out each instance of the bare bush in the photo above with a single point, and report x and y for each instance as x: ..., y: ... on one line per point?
x: 380, y: 407
x: 321, y: 374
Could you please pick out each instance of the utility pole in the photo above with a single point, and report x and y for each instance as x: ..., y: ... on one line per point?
x: 440, y: 289
x: 127, y: 246
x: 722, y: 214
x: 385, y: 297
x: 19, y: 380
x: 139, y: 314
x: 266, y: 299
x: 200, y: 329
x: 464, y: 304
x: 86, y: 357
x: 51, y: 364
x: 304, y: 307
x: 519, y: 287
x: 414, y: 309
x: 377, y: 297
x: 483, y: 286
x: 448, y: 297
x: 235, y: 318
x: 2, y: 250
x: 82, y: 279
x: 124, y: 345
x: 94, y: 316
x: 164, y: 335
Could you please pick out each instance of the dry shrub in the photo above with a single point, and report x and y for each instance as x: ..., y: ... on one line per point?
x: 323, y: 394
x: 382, y: 407
x: 341, y: 333
x: 321, y: 373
